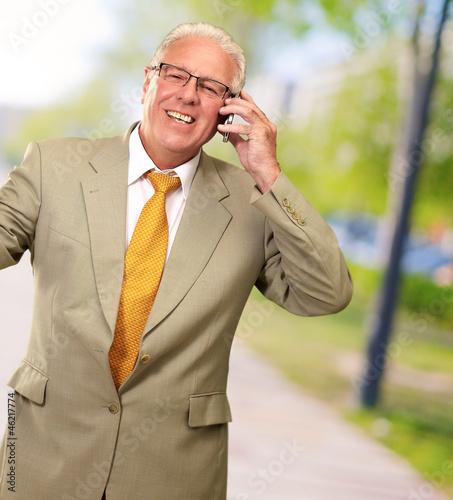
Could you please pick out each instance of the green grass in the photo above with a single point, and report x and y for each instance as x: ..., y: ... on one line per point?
x: 428, y: 447
x: 418, y: 424
x: 425, y: 356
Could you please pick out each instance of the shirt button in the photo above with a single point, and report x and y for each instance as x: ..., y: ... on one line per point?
x: 114, y: 408
x: 145, y: 358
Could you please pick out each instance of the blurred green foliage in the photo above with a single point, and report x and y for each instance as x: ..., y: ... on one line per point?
x: 340, y: 155
x: 72, y: 117
x: 422, y: 303
x: 298, y: 16
x: 339, y: 158
x: 346, y: 152
x: 435, y: 185
x: 427, y: 301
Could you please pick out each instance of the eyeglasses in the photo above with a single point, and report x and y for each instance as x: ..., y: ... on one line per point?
x: 178, y: 76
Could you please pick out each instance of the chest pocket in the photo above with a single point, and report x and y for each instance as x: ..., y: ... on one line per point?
x: 209, y: 409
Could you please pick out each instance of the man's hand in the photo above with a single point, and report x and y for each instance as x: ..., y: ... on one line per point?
x: 257, y: 153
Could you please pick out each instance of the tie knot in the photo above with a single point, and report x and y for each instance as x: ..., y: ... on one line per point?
x: 163, y: 183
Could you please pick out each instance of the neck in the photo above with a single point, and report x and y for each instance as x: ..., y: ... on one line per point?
x: 164, y: 160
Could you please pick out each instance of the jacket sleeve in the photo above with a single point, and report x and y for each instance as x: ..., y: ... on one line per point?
x: 19, y: 208
x: 304, y: 271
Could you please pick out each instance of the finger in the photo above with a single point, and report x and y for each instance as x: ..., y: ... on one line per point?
x: 233, y: 103
x: 251, y: 104
x: 245, y: 102
x: 236, y: 139
x: 233, y: 138
x: 246, y: 110
x: 234, y: 128
x: 247, y: 97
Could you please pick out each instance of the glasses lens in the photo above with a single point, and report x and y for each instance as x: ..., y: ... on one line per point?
x: 179, y: 76
x: 211, y: 88
x: 174, y: 75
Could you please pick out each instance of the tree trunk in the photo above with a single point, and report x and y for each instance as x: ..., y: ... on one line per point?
x: 404, y: 177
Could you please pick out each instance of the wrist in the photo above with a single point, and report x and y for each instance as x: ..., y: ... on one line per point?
x: 265, y: 180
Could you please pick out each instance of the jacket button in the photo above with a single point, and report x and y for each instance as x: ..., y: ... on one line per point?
x: 291, y: 210
x: 301, y: 222
x: 285, y: 202
x: 145, y: 358
x: 114, y: 408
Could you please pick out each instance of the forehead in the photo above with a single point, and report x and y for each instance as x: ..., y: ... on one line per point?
x: 201, y: 57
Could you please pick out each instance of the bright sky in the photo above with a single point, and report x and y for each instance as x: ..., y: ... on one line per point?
x: 37, y: 40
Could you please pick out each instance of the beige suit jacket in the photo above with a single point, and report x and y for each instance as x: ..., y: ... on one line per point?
x: 163, y: 435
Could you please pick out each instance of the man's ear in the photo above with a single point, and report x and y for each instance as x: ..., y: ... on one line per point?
x: 146, y: 83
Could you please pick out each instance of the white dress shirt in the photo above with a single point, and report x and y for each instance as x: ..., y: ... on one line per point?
x: 140, y: 189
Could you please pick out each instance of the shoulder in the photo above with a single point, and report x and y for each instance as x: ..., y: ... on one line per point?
x: 82, y: 149
x: 233, y: 176
x: 77, y: 156
x: 72, y: 149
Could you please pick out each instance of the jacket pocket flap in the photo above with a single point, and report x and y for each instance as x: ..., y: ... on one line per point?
x: 209, y: 409
x: 29, y: 382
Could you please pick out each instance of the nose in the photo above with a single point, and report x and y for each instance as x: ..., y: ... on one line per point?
x: 189, y: 91
x: 196, y: 81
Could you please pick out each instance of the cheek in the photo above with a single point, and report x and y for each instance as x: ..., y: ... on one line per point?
x: 211, y: 129
x: 215, y: 118
x: 155, y: 94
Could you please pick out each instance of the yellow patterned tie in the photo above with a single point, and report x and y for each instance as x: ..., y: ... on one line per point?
x: 143, y: 267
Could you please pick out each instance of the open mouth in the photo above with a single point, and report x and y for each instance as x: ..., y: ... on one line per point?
x: 178, y: 117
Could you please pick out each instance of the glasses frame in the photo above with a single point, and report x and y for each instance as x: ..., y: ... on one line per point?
x: 189, y: 76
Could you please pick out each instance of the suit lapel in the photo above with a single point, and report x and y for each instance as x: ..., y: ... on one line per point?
x: 106, y: 203
x: 202, y: 225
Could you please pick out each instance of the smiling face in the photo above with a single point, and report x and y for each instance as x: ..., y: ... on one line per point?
x: 178, y: 121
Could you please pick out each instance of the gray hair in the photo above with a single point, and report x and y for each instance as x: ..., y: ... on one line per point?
x: 214, y: 33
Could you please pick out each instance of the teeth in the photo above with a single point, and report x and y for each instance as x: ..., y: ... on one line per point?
x: 179, y: 117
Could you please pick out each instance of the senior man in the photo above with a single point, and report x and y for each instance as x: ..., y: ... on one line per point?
x: 144, y: 252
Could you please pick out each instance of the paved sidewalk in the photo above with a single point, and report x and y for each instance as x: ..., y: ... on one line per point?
x: 284, y: 445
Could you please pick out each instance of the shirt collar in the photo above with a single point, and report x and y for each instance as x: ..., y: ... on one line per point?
x: 140, y: 163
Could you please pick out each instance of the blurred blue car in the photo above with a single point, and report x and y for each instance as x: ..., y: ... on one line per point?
x: 362, y: 238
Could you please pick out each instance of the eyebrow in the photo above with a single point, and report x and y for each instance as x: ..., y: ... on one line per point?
x: 185, y: 68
